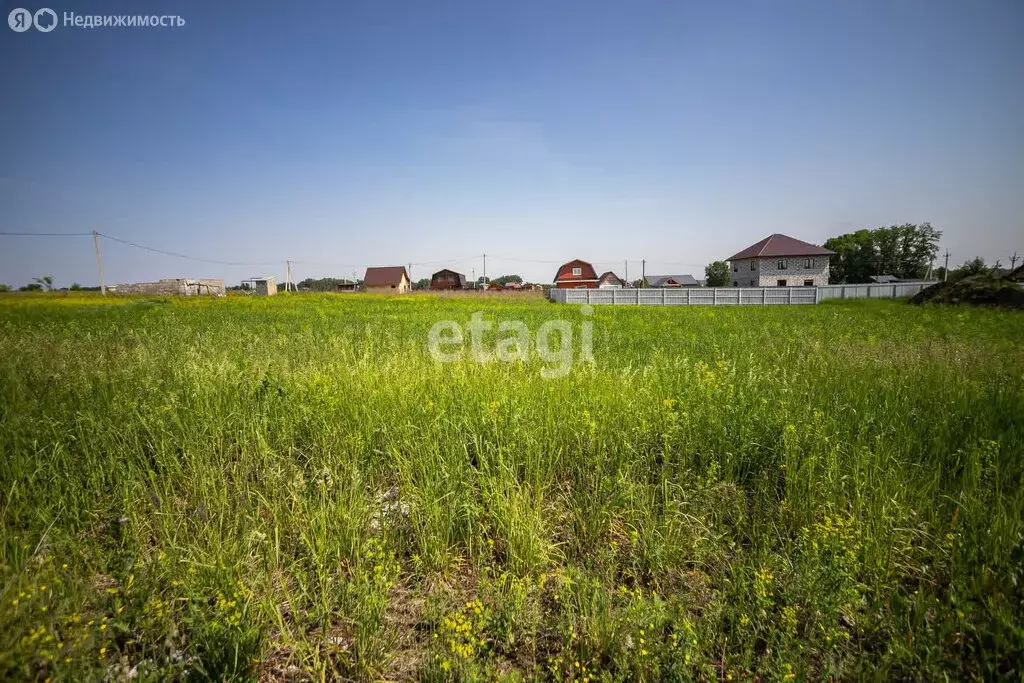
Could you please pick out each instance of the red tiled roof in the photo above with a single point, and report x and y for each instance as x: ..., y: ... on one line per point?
x: 384, y: 276
x: 587, y: 272
x: 780, y: 245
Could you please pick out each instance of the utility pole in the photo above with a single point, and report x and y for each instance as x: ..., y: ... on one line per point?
x: 945, y: 270
x: 1013, y: 261
x: 485, y: 270
x: 99, y: 261
x: 474, y: 278
x: 287, y: 276
x: 643, y: 271
x: 625, y: 265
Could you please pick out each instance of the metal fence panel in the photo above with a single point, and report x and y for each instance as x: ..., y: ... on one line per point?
x: 734, y: 296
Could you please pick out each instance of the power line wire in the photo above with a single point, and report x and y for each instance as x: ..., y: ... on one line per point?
x: 46, y: 234
x: 186, y: 256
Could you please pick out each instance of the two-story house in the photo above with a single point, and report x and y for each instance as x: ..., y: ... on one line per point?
x: 780, y: 261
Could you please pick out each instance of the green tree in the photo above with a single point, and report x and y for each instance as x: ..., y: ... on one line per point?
x: 904, y: 251
x: 422, y: 283
x: 324, y: 284
x: 45, y: 281
x: 505, y: 279
x: 33, y: 287
x: 5, y: 288
x: 974, y: 266
x: 716, y: 274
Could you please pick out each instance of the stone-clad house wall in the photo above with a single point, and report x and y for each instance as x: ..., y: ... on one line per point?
x: 174, y: 287
x: 766, y: 271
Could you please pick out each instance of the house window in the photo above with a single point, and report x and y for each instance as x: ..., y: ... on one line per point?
x: 735, y: 284
x: 808, y: 283
x: 753, y: 265
x: 809, y: 263
x: 782, y: 264
x: 735, y: 268
x: 576, y: 272
x: 781, y: 283
x: 753, y: 283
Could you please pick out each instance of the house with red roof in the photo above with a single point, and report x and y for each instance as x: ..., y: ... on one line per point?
x: 576, y: 274
x: 390, y: 279
x: 780, y: 261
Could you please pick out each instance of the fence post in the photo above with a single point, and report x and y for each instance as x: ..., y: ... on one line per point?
x: 789, y: 295
x: 817, y: 294
x: 894, y: 291
x: 842, y: 292
x: 662, y: 297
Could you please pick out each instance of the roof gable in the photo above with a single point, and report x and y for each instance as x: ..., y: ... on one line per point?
x: 780, y: 245
x: 680, y: 280
x: 609, y: 276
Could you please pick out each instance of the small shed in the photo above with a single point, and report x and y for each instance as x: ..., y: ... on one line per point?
x: 261, y: 286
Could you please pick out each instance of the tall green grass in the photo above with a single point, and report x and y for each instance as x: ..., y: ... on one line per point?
x: 291, y: 487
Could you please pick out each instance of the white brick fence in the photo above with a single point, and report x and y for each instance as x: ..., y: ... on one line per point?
x: 732, y: 296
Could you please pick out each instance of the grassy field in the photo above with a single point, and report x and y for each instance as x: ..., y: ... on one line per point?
x: 293, y: 488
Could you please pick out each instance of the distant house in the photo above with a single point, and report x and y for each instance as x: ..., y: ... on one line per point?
x: 1015, y: 275
x: 780, y: 261
x: 610, y: 280
x: 884, y: 279
x: 387, y: 279
x: 346, y: 286
x: 672, y: 281
x: 447, y: 279
x: 514, y: 286
x: 576, y: 274
x: 495, y: 287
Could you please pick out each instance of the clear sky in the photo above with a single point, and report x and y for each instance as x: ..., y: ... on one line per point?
x: 389, y: 132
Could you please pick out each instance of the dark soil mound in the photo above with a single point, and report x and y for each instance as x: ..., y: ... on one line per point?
x: 976, y: 290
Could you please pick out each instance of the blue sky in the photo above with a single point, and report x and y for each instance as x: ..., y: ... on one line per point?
x: 357, y: 133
